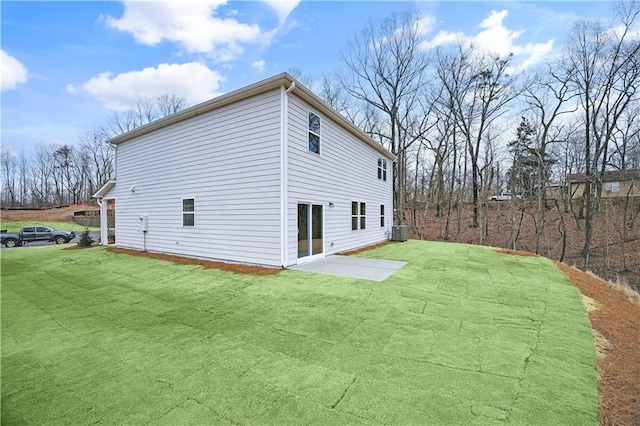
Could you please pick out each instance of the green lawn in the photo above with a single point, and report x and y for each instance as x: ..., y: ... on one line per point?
x: 460, y: 335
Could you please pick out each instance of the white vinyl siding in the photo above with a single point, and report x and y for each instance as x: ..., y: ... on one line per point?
x: 345, y: 172
x: 228, y: 160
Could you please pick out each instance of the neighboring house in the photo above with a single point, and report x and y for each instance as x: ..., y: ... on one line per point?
x: 615, y: 183
x: 555, y: 191
x: 268, y: 174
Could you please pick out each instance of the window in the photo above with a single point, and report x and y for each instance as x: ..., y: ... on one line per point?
x: 354, y: 215
x: 382, y: 169
x: 314, y: 133
x: 358, y: 216
x: 612, y: 186
x: 382, y: 215
x: 188, y: 211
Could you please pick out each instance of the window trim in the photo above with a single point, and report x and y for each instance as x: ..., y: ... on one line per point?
x: 612, y: 186
x: 354, y: 217
x: 311, y: 132
x: 382, y: 169
x: 360, y: 217
x: 186, y: 212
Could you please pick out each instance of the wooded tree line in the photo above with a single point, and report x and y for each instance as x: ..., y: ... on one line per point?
x: 71, y: 173
x: 464, y: 123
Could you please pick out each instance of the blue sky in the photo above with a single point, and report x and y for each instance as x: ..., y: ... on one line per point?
x: 66, y: 66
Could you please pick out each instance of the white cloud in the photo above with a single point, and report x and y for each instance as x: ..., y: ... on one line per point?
x: 191, y: 24
x: 13, y: 72
x: 631, y: 33
x: 537, y: 52
x: 495, y: 38
x: 258, y: 66
x: 282, y: 7
x: 193, y: 81
x: 425, y: 25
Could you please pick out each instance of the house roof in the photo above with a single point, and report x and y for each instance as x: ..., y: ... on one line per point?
x: 608, y: 176
x: 260, y: 87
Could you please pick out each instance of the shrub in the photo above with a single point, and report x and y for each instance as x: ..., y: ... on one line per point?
x: 85, y: 238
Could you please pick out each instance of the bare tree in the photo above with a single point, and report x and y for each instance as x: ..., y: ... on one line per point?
x: 626, y: 142
x: 605, y: 63
x: 42, y: 166
x: 299, y: 75
x: 170, y: 104
x: 8, y: 167
x: 332, y: 92
x: 386, y: 63
x: 99, y: 154
x: 122, y: 121
x: 143, y: 111
x: 478, y: 87
x: 23, y: 174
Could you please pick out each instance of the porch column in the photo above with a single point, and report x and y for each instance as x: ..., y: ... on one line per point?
x: 104, y: 223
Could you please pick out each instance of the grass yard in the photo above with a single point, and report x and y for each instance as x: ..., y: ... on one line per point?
x: 460, y: 335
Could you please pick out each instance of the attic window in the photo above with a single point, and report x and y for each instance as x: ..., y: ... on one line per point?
x: 612, y: 186
x: 314, y: 133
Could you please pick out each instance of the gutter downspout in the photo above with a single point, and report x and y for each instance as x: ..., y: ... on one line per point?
x: 284, y: 173
x: 104, y: 221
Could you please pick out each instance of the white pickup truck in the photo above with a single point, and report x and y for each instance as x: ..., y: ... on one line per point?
x: 505, y: 196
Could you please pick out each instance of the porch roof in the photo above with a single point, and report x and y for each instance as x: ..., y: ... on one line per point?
x: 104, y: 190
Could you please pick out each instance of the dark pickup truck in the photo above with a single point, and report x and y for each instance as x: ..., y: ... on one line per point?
x: 35, y: 233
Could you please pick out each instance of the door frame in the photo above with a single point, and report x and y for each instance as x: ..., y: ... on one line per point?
x: 311, y: 257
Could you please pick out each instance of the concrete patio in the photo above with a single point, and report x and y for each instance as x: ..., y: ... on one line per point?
x: 352, y: 267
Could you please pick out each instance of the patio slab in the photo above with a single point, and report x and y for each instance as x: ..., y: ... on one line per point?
x: 352, y: 267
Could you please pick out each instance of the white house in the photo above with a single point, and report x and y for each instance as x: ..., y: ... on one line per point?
x: 268, y: 174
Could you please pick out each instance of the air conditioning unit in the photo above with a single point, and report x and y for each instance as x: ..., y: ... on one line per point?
x: 399, y: 233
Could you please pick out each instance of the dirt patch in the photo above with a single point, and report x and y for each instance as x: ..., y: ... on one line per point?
x: 53, y: 214
x: 208, y: 264
x: 615, y: 320
x: 589, y: 304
